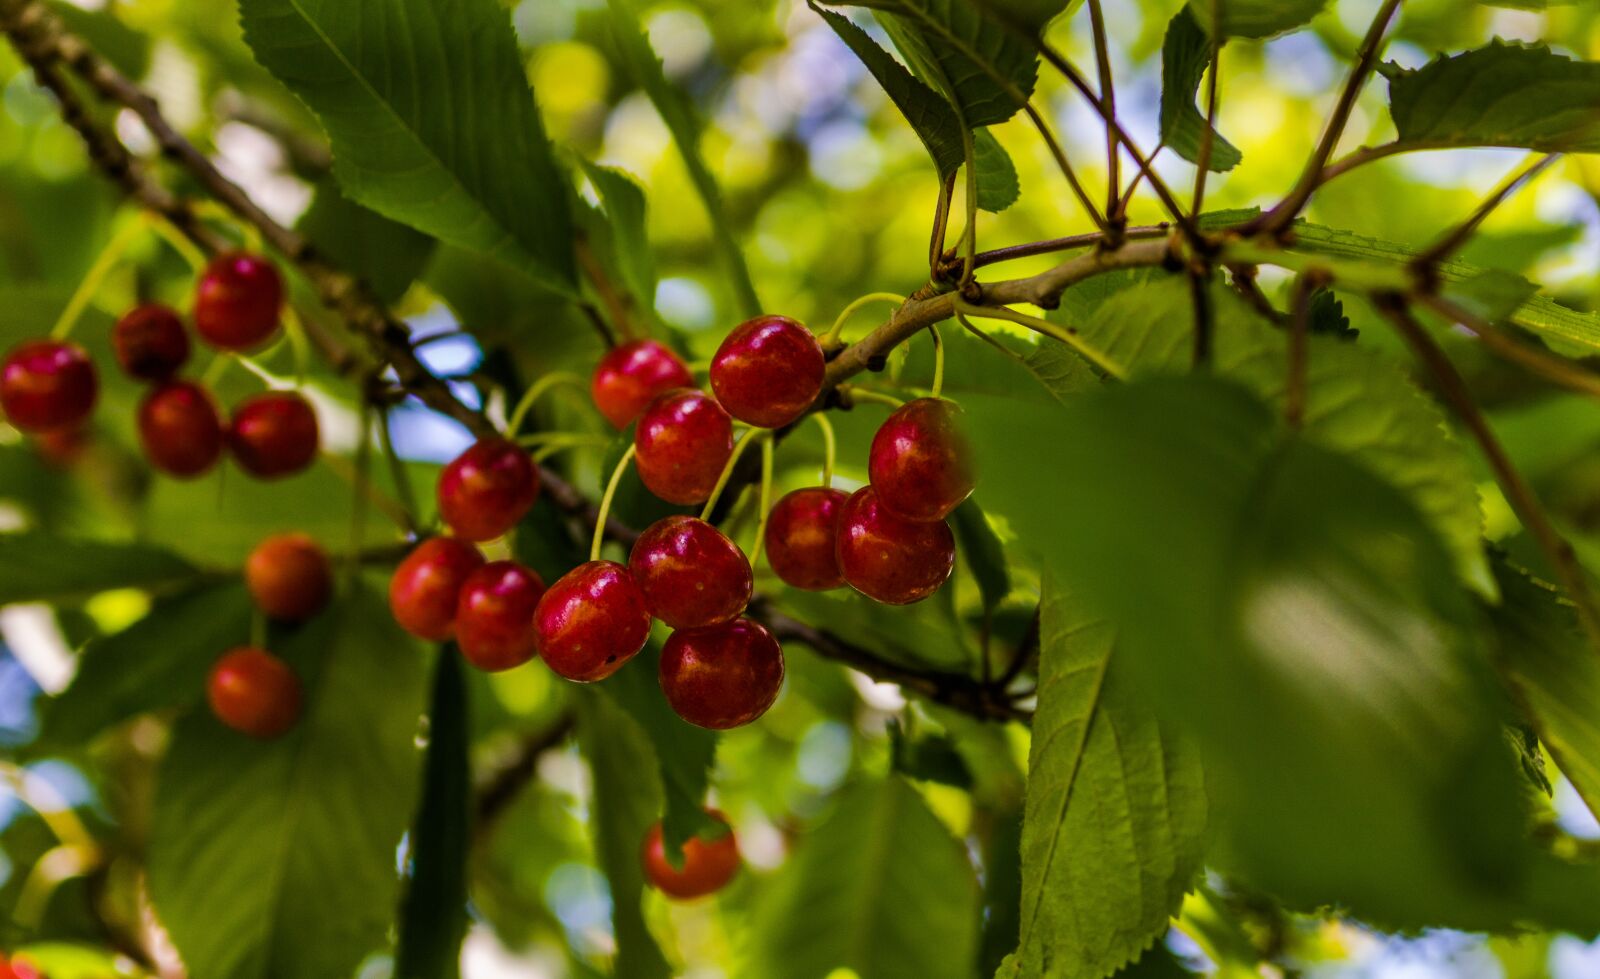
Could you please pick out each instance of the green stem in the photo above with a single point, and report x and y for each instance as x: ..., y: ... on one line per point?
x: 103, y: 265
x: 563, y: 439
x: 605, y: 503
x: 535, y: 390
x: 857, y: 394
x: 749, y: 436
x: 175, y: 240
x: 766, y: 502
x: 871, y: 297
x: 298, y: 341
x: 938, y: 360
x: 829, y: 448
x: 1049, y: 329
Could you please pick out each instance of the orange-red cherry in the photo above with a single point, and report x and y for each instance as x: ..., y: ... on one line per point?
x: 888, y: 558
x: 254, y: 692
x: 630, y: 376
x: 274, y: 434
x: 802, y: 531
x: 289, y: 577
x: 683, y: 440
x: 46, y: 384
x: 426, y: 587
x: 591, y: 621
x: 238, y: 301
x: 708, y: 865
x: 768, y: 371
x: 18, y: 969
x: 150, y: 342
x: 722, y: 676
x: 494, y: 615
x: 487, y: 489
x: 920, y: 462
x: 690, y: 573
x: 180, y: 429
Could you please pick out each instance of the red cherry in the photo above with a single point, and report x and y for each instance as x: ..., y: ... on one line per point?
x: 274, y: 434
x: 180, y: 430
x: 238, y: 301
x: 18, y: 969
x: 768, y: 371
x: 289, y: 577
x: 47, y: 384
x: 591, y: 621
x: 487, y: 489
x: 801, y: 533
x: 921, y: 464
x: 254, y: 692
x: 426, y: 587
x: 708, y: 865
x: 690, y: 573
x: 722, y: 676
x: 150, y: 342
x: 683, y: 440
x: 494, y: 615
x: 889, y: 558
x: 631, y: 376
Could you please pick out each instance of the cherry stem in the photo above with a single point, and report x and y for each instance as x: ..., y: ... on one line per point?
x: 216, y: 211
x: 750, y: 435
x: 766, y: 502
x: 855, y: 394
x: 938, y: 360
x: 983, y: 335
x: 296, y: 332
x: 175, y: 240
x: 829, y: 448
x: 95, y: 278
x: 397, y: 471
x: 546, y: 451
x: 562, y: 439
x: 535, y: 390
x: 871, y: 297
x: 1049, y: 329
x: 605, y: 503
x: 215, y: 369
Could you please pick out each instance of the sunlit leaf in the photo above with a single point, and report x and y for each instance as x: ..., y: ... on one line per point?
x: 1500, y: 95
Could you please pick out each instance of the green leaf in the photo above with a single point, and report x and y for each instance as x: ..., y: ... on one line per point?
x: 430, y: 117
x: 1255, y: 18
x: 37, y: 567
x: 1185, y: 55
x: 385, y: 254
x: 1501, y: 95
x: 1327, y: 316
x: 998, y: 187
x: 1116, y: 811
x: 983, y: 553
x: 277, y: 858
x: 623, y: 203
x: 879, y: 886
x: 1032, y: 16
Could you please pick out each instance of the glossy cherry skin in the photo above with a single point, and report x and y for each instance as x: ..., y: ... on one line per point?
x: 768, y: 371
x: 690, y: 573
x: 18, y: 969
x: 802, y: 533
x: 274, y: 434
x: 254, y: 692
x: 683, y: 440
x: 47, y: 384
x: 722, y: 676
x: 150, y: 342
x: 494, y: 615
x: 289, y: 577
x: 920, y: 463
x: 631, y: 376
x: 426, y: 588
x: 238, y: 301
x: 180, y: 430
x: 591, y: 621
x: 888, y: 558
x: 487, y: 489
x: 708, y: 865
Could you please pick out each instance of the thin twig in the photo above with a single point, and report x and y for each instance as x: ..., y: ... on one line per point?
x: 1451, y: 241
x: 1558, y: 370
x: 1108, y: 98
x: 1208, y: 138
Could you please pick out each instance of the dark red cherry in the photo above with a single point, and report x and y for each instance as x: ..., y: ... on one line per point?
x: 889, y: 558
x: 802, y: 531
x: 180, y: 429
x: 591, y: 621
x: 274, y: 434
x: 631, y: 376
x: 487, y: 489
x: 494, y: 615
x: 690, y: 573
x: 722, y: 676
x: 921, y: 464
x: 150, y: 342
x: 708, y: 865
x: 426, y: 587
x: 238, y: 301
x: 254, y: 692
x: 47, y: 384
x: 289, y: 577
x: 683, y: 440
x: 768, y: 371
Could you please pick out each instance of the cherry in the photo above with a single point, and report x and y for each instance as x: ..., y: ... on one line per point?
x: 708, y: 865
x: 238, y: 301
x: 631, y: 376
x: 889, y: 558
x: 289, y: 577
x: 920, y: 463
x: 180, y: 429
x: 254, y: 692
x: 801, y: 533
x: 150, y: 342
x: 591, y: 621
x: 47, y: 384
x: 487, y: 489
x: 768, y: 371
x: 683, y: 440
x: 494, y: 615
x: 425, y: 589
x: 690, y: 573
x: 274, y: 434
x: 18, y: 969
x: 722, y: 676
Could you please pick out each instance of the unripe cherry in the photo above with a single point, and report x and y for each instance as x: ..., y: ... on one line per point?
x: 150, y: 342
x: 426, y: 587
x: 254, y: 692
x: 683, y: 440
x: 768, y: 371
x: 274, y: 434
x: 888, y: 558
x: 289, y: 577
x: 238, y: 301
x: 485, y: 490
x: 921, y: 463
x: 591, y: 621
x: 690, y: 573
x: 494, y: 615
x: 708, y: 865
x: 630, y: 376
x: 180, y: 429
x: 722, y: 676
x: 801, y: 538
x: 46, y: 384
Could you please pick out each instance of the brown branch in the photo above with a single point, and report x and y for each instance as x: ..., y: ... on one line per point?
x: 1108, y: 97
x: 1558, y: 370
x: 501, y: 787
x: 1451, y: 241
